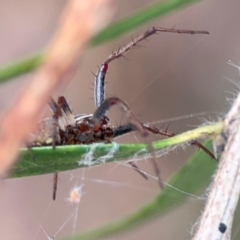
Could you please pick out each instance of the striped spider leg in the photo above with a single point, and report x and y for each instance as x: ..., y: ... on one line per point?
x: 100, y: 90
x: 100, y: 76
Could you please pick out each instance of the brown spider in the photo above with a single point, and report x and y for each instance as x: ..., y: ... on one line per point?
x: 64, y: 128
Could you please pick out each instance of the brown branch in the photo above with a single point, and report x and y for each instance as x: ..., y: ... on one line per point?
x: 79, y: 21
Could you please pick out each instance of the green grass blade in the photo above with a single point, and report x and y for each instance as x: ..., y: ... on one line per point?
x: 63, y: 158
x: 113, y: 31
x: 193, y: 176
x: 148, y: 13
x: 20, y: 67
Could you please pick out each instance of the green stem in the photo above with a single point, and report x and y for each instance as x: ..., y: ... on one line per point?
x: 20, y: 67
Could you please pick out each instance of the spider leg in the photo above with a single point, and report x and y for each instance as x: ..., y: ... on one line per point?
x: 119, y: 53
x: 106, y: 105
x: 155, y: 130
x: 55, y: 182
x: 70, y: 118
x: 129, y: 127
x: 100, y: 76
x: 109, y: 102
x: 53, y: 105
x: 99, y: 92
x: 58, y: 109
x: 199, y: 145
x: 57, y: 113
x: 135, y: 167
x: 124, y: 129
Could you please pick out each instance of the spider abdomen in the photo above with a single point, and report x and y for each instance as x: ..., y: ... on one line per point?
x: 87, y: 131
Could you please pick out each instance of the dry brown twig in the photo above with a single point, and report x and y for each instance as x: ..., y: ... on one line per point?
x: 216, y: 221
x: 79, y: 22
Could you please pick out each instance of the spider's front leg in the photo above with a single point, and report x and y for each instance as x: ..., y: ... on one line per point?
x: 99, y: 94
x: 103, y: 105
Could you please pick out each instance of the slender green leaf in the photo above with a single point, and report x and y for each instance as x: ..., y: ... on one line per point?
x: 140, y: 17
x: 46, y: 160
x: 43, y: 160
x: 20, y: 67
x: 114, y: 30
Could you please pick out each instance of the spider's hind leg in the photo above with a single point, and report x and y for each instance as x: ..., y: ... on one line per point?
x: 155, y: 130
x: 125, y: 129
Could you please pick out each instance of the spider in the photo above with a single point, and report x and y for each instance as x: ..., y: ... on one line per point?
x: 65, y: 128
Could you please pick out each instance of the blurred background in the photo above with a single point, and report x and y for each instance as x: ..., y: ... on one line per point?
x: 169, y: 76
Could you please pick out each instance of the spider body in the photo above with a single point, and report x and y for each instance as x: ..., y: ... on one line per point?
x: 84, y: 131
x: 87, y: 131
x: 68, y: 129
